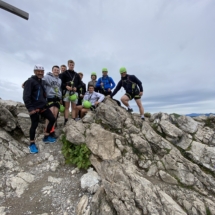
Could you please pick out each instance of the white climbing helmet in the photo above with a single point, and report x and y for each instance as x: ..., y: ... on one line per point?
x: 38, y: 67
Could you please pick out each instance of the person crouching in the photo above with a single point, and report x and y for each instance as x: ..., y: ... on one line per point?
x: 90, y: 101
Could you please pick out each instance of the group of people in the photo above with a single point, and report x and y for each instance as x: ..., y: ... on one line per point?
x: 54, y: 92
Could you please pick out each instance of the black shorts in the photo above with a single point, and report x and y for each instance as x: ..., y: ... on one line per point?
x: 93, y: 107
x: 53, y: 102
x: 134, y: 95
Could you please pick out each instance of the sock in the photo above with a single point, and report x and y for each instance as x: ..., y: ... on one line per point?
x: 142, y: 116
x: 32, y: 143
x: 65, y: 120
x: 46, y: 136
x: 129, y: 106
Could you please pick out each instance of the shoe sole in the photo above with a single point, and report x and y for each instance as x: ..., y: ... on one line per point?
x: 46, y: 142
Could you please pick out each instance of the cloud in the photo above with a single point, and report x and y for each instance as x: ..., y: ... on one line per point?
x: 168, y: 45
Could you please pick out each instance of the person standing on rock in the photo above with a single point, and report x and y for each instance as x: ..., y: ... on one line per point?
x: 105, y: 84
x: 52, y: 84
x: 71, y: 82
x: 93, y: 81
x: 62, y: 69
x: 134, y: 90
x: 90, y: 101
x: 34, y: 97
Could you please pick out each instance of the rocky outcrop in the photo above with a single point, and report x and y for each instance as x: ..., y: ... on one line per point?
x: 151, y: 167
x: 164, y: 165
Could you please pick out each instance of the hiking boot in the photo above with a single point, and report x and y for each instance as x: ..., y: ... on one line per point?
x: 53, y: 135
x: 130, y: 110
x: 33, y: 149
x: 49, y: 139
x: 143, y: 118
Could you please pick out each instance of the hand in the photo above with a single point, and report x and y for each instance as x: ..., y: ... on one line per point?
x: 109, y: 89
x: 96, y: 103
x: 74, y: 89
x: 141, y: 93
x: 68, y: 88
x: 32, y: 112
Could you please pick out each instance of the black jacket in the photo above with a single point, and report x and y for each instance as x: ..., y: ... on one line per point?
x: 127, y: 82
x: 69, y: 76
x: 34, y: 95
x: 82, y: 89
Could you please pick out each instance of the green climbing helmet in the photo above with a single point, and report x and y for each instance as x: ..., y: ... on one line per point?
x: 73, y: 97
x: 62, y: 108
x: 122, y: 70
x: 104, y: 70
x: 93, y: 73
x: 87, y: 104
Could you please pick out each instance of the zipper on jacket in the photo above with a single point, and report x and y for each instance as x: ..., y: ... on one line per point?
x: 38, y: 93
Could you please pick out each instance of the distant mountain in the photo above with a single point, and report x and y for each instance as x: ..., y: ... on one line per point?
x: 199, y: 114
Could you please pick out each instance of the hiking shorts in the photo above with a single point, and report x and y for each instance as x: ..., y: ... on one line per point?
x: 53, y: 102
x: 66, y: 97
x: 134, y: 95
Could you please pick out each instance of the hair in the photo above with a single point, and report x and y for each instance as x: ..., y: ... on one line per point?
x: 70, y: 61
x: 90, y: 86
x: 63, y: 65
x: 80, y: 73
x: 55, y: 66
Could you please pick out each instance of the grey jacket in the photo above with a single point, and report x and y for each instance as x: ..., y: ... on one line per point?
x: 52, y: 86
x: 92, y: 83
x: 93, y: 97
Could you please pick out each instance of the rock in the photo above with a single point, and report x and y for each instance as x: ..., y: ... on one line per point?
x: 185, y: 141
x: 54, y: 180
x: 89, y: 179
x: 89, y: 117
x: 201, y: 118
x: 2, y: 211
x: 24, y: 122
x: 75, y: 132
x: 167, y: 178
x: 187, y: 124
x: 26, y: 176
x: 171, y: 130
x: 7, y: 120
x: 81, y: 207
x: 203, y: 155
x: 103, y: 145
x: 205, y: 135
x: 19, y: 185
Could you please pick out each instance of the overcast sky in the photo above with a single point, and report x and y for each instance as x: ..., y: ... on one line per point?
x: 168, y: 44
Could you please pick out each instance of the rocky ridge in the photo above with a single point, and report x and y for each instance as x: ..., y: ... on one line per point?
x: 165, y: 165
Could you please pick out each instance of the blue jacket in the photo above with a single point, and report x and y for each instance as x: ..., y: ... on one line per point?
x: 107, y: 81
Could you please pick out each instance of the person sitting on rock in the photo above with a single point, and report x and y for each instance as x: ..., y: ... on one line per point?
x: 52, y: 84
x: 93, y: 81
x: 90, y: 101
x: 71, y: 82
x: 134, y: 90
x: 34, y: 97
x: 105, y: 84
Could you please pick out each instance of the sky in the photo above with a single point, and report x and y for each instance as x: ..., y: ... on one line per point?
x: 168, y: 44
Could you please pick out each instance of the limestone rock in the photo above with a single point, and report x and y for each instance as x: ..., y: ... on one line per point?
x: 7, y: 120
x: 187, y: 124
x: 24, y: 122
x: 102, y: 142
x: 205, y: 135
x: 167, y: 178
x: 82, y: 205
x: 90, y: 180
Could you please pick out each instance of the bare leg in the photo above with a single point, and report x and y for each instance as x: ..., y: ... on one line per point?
x: 66, y: 113
x: 78, y: 108
x: 83, y: 112
x: 140, y: 106
x: 125, y: 100
x: 73, y: 110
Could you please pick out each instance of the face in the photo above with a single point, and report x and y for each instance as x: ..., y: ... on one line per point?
x: 123, y: 74
x: 81, y: 76
x: 39, y: 73
x: 71, y: 66
x: 91, y: 89
x: 62, y: 69
x: 104, y: 73
x: 56, y: 71
x: 93, y: 77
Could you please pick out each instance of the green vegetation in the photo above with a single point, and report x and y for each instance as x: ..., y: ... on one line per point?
x: 208, y: 123
x: 175, y: 115
x: 208, y: 212
x: 147, y: 114
x: 76, y: 154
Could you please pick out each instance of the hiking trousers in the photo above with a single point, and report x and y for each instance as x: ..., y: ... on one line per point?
x: 47, y: 114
